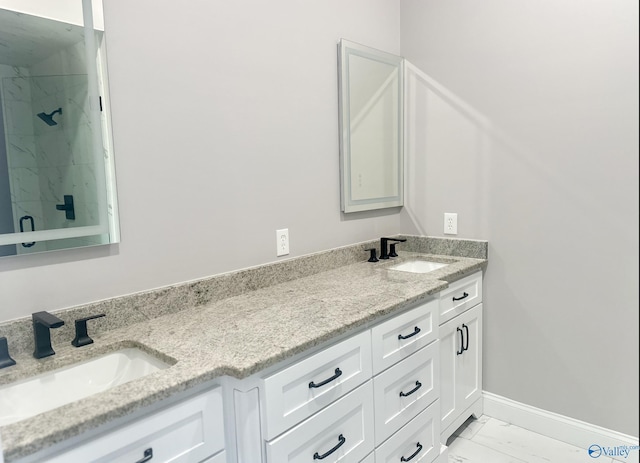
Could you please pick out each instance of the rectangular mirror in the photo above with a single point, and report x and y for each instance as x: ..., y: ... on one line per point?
x: 57, y: 177
x: 371, y: 127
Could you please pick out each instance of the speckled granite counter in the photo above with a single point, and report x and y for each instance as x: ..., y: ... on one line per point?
x: 236, y: 336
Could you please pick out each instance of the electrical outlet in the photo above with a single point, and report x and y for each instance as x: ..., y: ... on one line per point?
x: 282, y: 242
x: 450, y: 223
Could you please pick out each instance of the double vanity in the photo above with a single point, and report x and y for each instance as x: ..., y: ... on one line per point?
x: 326, y: 357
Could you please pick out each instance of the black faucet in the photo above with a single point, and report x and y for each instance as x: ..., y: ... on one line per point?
x: 384, y: 251
x: 42, y: 322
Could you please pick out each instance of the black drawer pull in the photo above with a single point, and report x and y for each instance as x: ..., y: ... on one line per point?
x: 466, y: 346
x: 337, y: 374
x: 407, y: 394
x: 414, y: 453
x: 317, y: 456
x: 416, y: 330
x: 458, y: 352
x: 464, y: 295
x: 148, y: 455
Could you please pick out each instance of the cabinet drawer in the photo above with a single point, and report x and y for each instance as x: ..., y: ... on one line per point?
x: 187, y: 432
x: 370, y: 459
x: 460, y: 296
x: 404, y: 390
x: 346, y: 426
x: 295, y: 393
x: 403, y: 335
x: 420, y: 438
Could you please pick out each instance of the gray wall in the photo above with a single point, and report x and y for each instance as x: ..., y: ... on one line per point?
x: 225, y: 122
x: 532, y: 139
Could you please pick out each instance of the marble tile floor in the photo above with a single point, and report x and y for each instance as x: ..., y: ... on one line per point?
x: 488, y: 440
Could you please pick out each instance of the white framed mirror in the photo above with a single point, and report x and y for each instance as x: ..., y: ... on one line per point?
x: 371, y: 114
x: 57, y: 172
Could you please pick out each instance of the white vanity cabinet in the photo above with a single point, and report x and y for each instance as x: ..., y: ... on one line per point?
x: 190, y: 431
x: 346, y: 402
x: 460, y: 353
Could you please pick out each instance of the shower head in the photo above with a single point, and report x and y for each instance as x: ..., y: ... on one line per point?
x: 48, y: 118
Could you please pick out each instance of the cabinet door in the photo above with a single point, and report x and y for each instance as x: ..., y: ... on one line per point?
x: 469, y: 364
x: 450, y: 345
x: 460, y: 364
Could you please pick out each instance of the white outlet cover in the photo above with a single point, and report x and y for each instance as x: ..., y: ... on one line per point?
x: 282, y: 242
x: 450, y: 223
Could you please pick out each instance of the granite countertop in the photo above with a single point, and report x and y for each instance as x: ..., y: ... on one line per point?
x: 237, y: 337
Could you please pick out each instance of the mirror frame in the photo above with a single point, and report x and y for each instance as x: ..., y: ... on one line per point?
x: 345, y: 50
x: 91, y: 18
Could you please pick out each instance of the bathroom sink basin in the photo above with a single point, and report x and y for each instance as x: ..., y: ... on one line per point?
x: 418, y: 266
x: 37, y: 394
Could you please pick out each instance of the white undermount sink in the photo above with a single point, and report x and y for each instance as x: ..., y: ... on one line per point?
x: 46, y: 391
x: 418, y: 266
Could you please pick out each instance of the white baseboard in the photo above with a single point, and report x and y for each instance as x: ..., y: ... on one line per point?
x: 562, y: 428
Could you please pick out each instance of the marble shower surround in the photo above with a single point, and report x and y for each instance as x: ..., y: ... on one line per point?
x: 126, y: 310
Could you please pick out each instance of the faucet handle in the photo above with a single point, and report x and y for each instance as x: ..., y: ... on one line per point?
x: 5, y: 358
x: 372, y: 256
x: 82, y: 337
x: 392, y: 250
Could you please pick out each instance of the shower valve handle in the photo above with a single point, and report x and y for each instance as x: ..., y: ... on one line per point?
x: 67, y: 207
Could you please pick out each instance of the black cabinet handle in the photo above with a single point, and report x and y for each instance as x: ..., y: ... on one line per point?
x: 466, y: 346
x: 317, y: 456
x: 407, y: 394
x: 337, y: 374
x: 416, y: 330
x: 464, y: 295
x: 414, y: 453
x: 148, y: 455
x: 461, y: 342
